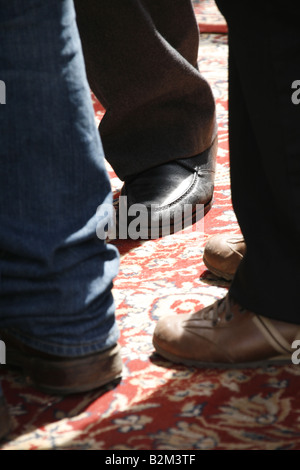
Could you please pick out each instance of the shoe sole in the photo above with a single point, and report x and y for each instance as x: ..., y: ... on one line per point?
x: 218, y: 273
x: 279, y: 360
x: 68, y: 376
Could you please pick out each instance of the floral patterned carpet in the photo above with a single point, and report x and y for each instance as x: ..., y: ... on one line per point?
x: 157, y: 405
x: 208, y: 16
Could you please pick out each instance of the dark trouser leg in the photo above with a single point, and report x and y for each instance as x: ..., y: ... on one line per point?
x: 141, y: 60
x: 264, y: 48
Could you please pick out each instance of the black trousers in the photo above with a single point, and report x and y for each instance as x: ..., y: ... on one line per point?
x: 141, y: 61
x: 264, y: 130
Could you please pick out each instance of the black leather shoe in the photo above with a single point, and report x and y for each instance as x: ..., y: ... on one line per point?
x: 167, y: 198
x: 4, y: 418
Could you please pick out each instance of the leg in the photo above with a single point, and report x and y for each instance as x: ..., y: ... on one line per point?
x: 56, y: 275
x: 264, y: 153
x: 256, y: 323
x: 141, y: 59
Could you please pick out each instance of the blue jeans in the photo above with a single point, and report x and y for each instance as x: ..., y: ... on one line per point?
x: 55, y: 274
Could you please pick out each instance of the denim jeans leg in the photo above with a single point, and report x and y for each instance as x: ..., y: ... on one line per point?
x: 56, y: 276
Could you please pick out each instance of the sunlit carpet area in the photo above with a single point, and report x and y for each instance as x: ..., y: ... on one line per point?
x: 158, y: 405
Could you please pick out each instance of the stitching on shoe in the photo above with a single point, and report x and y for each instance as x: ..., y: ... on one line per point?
x: 272, y: 335
x: 189, y: 189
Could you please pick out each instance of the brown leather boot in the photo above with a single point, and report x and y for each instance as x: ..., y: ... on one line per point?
x: 63, y: 375
x: 223, y: 253
x: 225, y: 335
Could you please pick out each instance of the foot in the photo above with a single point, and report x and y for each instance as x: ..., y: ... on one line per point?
x: 161, y: 196
x: 223, y: 254
x: 63, y: 375
x: 224, y: 335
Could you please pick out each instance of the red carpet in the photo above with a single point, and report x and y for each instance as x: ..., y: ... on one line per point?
x: 208, y: 16
x: 159, y: 406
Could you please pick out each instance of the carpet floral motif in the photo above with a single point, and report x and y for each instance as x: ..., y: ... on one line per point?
x: 159, y: 405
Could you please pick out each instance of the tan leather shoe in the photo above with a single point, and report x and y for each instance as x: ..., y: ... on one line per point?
x: 223, y: 254
x: 63, y: 375
x: 224, y: 335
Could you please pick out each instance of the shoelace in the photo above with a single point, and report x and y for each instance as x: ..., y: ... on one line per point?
x: 232, y: 241
x: 221, y: 306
